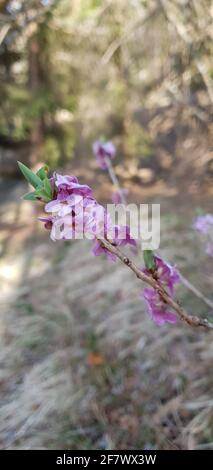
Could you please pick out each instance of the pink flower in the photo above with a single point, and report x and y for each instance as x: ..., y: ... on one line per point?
x: 68, y: 186
x: 102, y: 151
x: 76, y: 214
x: 48, y: 222
x: 62, y: 228
x: 119, y: 235
x: 203, y: 223
x: 61, y: 209
x: 99, y: 250
x: 117, y: 195
x: 122, y: 236
x: 167, y: 276
x: 157, y: 309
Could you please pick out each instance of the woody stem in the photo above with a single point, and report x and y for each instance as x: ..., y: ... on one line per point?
x: 191, y: 320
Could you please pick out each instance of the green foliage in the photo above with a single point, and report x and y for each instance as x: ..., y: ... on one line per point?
x: 42, y: 172
x: 43, y: 189
x: 88, y: 55
x: 149, y: 260
x: 31, y: 177
x: 30, y: 196
x: 39, y: 84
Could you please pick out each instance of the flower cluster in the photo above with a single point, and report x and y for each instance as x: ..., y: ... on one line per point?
x: 75, y: 213
x: 103, y: 152
x: 167, y: 276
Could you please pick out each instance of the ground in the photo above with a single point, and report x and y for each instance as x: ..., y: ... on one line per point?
x: 82, y: 365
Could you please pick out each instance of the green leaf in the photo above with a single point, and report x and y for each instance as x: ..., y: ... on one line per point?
x: 42, y: 172
x: 30, y: 196
x: 149, y: 260
x: 47, y: 187
x: 33, y: 179
x: 41, y: 193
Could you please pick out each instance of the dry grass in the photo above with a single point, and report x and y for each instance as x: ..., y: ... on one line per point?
x: 82, y: 366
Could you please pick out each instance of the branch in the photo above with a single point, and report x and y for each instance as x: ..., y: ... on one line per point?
x: 196, y: 291
x: 114, y: 179
x: 185, y: 281
x: 191, y: 320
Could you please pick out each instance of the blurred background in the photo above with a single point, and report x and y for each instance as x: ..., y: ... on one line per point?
x: 82, y: 365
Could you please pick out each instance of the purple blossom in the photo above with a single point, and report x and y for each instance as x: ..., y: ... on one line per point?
x: 98, y: 249
x: 63, y: 208
x: 203, y: 223
x: 167, y: 276
x: 62, y: 228
x: 122, y: 236
x: 117, y: 195
x: 106, y: 230
x: 119, y: 235
x: 157, y: 309
x: 48, y: 222
x: 68, y: 186
x: 102, y: 152
x: 74, y: 213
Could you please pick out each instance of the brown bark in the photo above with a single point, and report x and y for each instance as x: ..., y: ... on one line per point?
x: 191, y: 320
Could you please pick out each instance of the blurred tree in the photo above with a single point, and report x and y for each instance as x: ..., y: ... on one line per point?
x: 60, y: 59
x: 31, y: 95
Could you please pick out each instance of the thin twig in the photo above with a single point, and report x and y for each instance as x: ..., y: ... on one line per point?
x: 191, y: 320
x: 196, y: 291
x: 114, y: 179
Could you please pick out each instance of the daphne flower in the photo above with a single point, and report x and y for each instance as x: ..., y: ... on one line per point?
x: 76, y: 214
x: 157, y: 309
x: 62, y: 228
x: 68, y: 185
x: 64, y: 181
x: 102, y: 152
x: 103, y: 228
x: 48, y: 222
x: 59, y: 208
x: 98, y: 249
x: 122, y: 236
x: 167, y: 276
x: 203, y: 223
x: 117, y: 234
